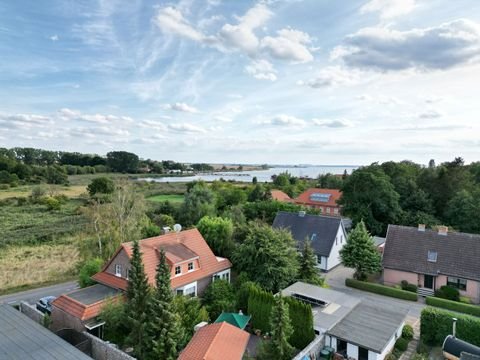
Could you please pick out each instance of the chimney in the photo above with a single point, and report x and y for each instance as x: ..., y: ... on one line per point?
x: 421, y: 227
x: 199, y: 326
x: 454, y: 330
x: 443, y: 230
x: 166, y: 229
x: 301, y: 213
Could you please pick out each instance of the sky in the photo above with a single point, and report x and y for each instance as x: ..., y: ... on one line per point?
x: 272, y: 81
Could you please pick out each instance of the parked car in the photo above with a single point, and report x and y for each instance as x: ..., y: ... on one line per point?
x: 45, y: 304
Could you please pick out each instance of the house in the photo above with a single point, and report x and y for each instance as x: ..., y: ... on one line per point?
x: 23, y: 338
x: 354, y: 328
x: 326, y: 233
x: 192, y: 263
x: 379, y: 243
x: 323, y: 199
x: 217, y: 341
x: 279, y: 195
x: 431, y: 259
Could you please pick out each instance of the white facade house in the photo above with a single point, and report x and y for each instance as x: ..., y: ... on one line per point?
x: 327, y: 235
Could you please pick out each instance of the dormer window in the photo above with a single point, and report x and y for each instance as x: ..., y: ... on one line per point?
x: 178, y: 270
x: 190, y: 266
x: 314, y: 236
x: 118, y: 270
x: 432, y: 256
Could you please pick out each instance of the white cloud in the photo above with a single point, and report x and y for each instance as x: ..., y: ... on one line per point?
x: 331, y: 76
x: 54, y: 37
x: 152, y: 124
x: 181, y: 107
x: 332, y: 123
x: 430, y: 114
x: 186, y: 128
x: 388, y: 8
x: 289, y: 44
x: 284, y: 120
x: 69, y: 114
x: 171, y: 20
x: 442, y: 47
x: 12, y: 121
x: 261, y: 70
x: 223, y: 119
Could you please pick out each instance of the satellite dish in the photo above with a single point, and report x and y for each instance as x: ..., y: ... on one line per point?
x: 177, y: 228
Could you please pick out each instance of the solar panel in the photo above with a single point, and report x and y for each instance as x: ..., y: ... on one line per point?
x: 310, y: 300
x: 320, y: 197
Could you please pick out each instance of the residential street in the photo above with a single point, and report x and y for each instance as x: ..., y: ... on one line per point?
x: 32, y: 296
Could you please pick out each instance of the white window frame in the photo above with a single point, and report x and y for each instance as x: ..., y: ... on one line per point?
x: 184, y: 289
x: 118, y: 270
x: 222, y: 275
x: 432, y: 256
x: 178, y: 267
x: 193, y: 266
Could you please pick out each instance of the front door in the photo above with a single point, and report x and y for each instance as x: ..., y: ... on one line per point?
x: 362, y: 353
x: 428, y: 281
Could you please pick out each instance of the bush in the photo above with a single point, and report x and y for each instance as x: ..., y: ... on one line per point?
x: 401, y: 344
x: 51, y: 203
x: 243, y: 293
x: 436, y: 324
x: 407, y: 332
x: 408, y: 287
x: 381, y: 289
x: 422, y: 348
x: 218, y: 297
x: 453, y: 305
x: 260, y: 305
x: 90, y: 268
x: 448, y: 292
x: 419, y: 357
x: 102, y: 185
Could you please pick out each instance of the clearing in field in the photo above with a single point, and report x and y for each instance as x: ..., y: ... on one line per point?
x: 170, y: 197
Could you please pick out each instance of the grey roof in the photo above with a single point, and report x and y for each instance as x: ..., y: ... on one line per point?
x: 406, y: 248
x: 92, y: 294
x: 22, y: 338
x: 377, y: 240
x: 370, y: 326
x: 324, y: 318
x: 325, y: 229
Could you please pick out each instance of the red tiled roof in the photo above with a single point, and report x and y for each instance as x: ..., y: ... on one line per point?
x: 191, y: 239
x: 279, y: 195
x: 111, y: 280
x: 218, y: 341
x: 79, y: 310
x: 304, y: 198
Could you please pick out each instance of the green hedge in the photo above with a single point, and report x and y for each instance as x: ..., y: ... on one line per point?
x: 381, y: 289
x: 436, y: 324
x: 453, y: 305
x: 260, y: 304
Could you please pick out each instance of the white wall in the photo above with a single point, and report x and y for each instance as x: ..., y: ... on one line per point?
x: 322, y: 262
x: 391, y: 343
x: 334, y: 257
x: 373, y: 355
x: 352, y: 350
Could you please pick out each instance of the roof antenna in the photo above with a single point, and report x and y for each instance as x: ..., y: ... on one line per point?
x: 177, y: 228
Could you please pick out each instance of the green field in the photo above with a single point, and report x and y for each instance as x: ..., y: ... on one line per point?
x: 161, y: 198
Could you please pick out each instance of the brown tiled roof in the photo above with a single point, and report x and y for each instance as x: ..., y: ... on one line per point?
x: 304, y: 198
x: 218, y: 341
x: 176, y: 253
x: 458, y: 254
x: 111, y: 280
x: 192, y: 242
x: 279, y: 195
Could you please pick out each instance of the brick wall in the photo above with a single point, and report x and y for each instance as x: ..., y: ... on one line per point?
x: 102, y: 350
x: 32, y: 312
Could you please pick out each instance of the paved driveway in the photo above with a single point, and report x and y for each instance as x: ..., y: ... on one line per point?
x: 32, y: 296
x: 336, y: 279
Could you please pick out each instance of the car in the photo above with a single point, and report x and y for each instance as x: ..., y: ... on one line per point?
x: 45, y: 304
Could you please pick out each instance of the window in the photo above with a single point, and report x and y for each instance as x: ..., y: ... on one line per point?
x: 341, y: 239
x: 216, y: 277
x: 178, y: 270
x: 179, y: 291
x: 190, y: 266
x: 432, y: 256
x: 314, y: 236
x: 190, y: 291
x: 328, y: 210
x: 118, y: 270
x: 460, y: 284
x: 224, y: 275
x: 336, y: 240
x: 335, y: 211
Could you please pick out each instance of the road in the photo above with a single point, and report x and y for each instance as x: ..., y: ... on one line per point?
x: 32, y: 296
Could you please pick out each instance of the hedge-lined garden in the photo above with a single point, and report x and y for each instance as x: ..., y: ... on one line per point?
x: 453, y: 305
x: 381, y: 289
x: 260, y: 304
x: 436, y: 324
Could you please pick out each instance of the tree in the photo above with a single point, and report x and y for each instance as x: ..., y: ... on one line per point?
x: 218, y: 233
x: 463, y: 211
x: 199, y: 202
x: 308, y: 265
x: 102, y: 185
x: 268, y: 256
x: 138, y: 304
x: 191, y: 312
x: 164, y: 325
x: 360, y: 253
x: 90, y: 268
x: 278, y: 347
x: 122, y: 161
x: 114, y: 315
x: 254, y: 180
x: 219, y: 296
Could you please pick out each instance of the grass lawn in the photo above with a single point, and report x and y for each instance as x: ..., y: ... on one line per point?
x: 172, y: 198
x: 26, y: 190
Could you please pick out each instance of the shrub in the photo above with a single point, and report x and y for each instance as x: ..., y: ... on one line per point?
x: 401, y: 344
x: 37, y: 193
x: 408, y: 287
x: 4, y: 186
x: 90, y: 268
x: 102, y: 185
x: 418, y: 356
x: 243, y: 293
x: 218, y: 297
x: 453, y: 305
x: 260, y: 305
x: 51, y: 203
x: 436, y: 324
x: 381, y: 289
x: 465, y: 300
x: 422, y: 348
x: 448, y: 292
x: 407, y: 332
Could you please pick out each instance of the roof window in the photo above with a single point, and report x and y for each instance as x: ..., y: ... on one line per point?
x: 432, y: 256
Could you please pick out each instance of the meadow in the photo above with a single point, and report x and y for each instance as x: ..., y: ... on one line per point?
x: 167, y: 197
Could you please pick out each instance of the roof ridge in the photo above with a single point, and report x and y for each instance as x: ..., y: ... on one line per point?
x: 434, y: 231
x: 210, y: 346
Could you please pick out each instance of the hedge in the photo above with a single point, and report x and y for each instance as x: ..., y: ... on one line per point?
x: 381, y: 289
x: 436, y: 324
x: 453, y: 305
x: 260, y: 304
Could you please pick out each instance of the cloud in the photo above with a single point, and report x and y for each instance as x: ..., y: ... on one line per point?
x: 171, y: 20
x: 430, y: 114
x: 69, y: 114
x: 186, y: 128
x: 18, y: 121
x: 181, y: 107
x: 261, y: 70
x: 431, y: 127
x: 388, y: 8
x: 332, y: 123
x: 442, y: 47
x: 92, y: 132
x: 223, y: 119
x: 54, y: 37
x: 331, y: 76
x: 284, y: 120
x: 151, y: 124
x: 289, y: 44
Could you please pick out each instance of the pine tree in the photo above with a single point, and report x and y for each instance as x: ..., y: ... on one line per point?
x: 308, y: 261
x: 138, y: 303
x: 278, y: 348
x: 360, y: 253
x: 164, y: 324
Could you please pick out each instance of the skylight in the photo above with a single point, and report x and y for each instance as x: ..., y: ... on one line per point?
x: 432, y: 256
x: 320, y: 197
